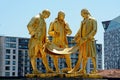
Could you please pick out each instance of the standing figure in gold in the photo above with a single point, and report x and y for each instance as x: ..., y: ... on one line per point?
x: 85, y: 38
x: 37, y: 30
x: 59, y: 30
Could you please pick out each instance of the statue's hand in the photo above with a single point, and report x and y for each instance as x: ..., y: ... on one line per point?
x: 56, y: 34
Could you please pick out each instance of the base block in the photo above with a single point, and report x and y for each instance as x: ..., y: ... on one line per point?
x: 42, y: 75
x: 63, y: 75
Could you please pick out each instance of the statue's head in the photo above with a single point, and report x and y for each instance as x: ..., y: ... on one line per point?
x: 61, y: 15
x: 85, y: 13
x: 46, y: 13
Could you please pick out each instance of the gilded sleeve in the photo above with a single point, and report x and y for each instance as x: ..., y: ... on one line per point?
x: 40, y: 30
x: 67, y: 29
x: 31, y: 26
x: 93, y: 32
x: 51, y: 29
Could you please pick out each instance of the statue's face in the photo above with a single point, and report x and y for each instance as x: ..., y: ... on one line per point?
x: 84, y: 14
x: 46, y: 15
x: 61, y: 17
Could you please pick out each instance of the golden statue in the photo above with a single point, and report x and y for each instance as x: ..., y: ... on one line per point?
x: 59, y: 30
x: 37, y: 30
x: 86, y: 41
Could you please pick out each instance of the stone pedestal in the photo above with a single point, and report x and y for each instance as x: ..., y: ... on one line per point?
x: 42, y: 75
x: 63, y: 75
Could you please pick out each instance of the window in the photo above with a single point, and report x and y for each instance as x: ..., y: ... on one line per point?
x: 14, y: 57
x: 10, y: 45
x: 10, y: 39
x: 7, y: 62
x: 91, y: 65
x: 7, y: 73
x: 14, y: 51
x: 8, y: 51
x: 14, y: 62
x: 7, y: 68
x: 99, y: 66
x: 20, y: 52
x: 26, y: 52
x: 13, y: 68
x: 22, y: 40
x: 7, y: 57
x: 99, y: 61
x: 23, y: 46
x: 13, y: 73
x: 25, y: 68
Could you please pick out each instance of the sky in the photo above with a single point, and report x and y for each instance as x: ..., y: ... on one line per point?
x: 16, y: 14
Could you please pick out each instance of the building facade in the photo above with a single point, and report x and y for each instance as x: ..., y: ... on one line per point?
x: 15, y: 60
x: 112, y: 43
x: 8, y: 56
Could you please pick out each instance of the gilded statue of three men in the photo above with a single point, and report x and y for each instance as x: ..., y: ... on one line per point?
x: 58, y: 30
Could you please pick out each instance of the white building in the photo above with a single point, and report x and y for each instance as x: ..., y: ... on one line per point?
x: 8, y: 56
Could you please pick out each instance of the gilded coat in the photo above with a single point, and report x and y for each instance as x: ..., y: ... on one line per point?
x: 37, y: 30
x: 59, y: 30
x: 85, y: 37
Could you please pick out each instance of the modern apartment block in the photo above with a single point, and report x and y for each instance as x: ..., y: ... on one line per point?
x: 15, y: 61
x: 112, y: 43
x: 8, y: 56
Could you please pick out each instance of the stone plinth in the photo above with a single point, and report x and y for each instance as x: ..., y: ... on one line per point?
x: 63, y: 75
